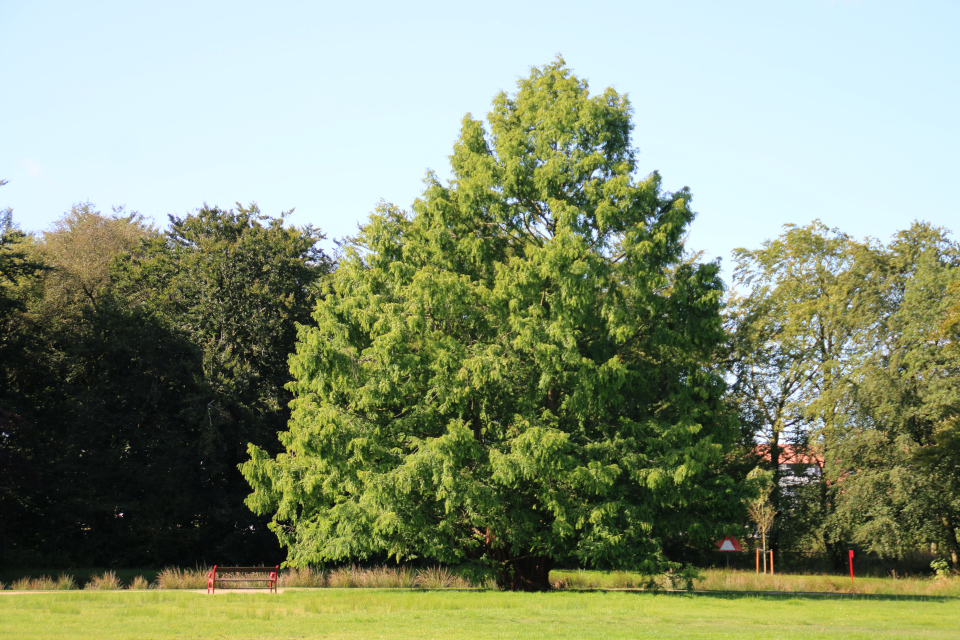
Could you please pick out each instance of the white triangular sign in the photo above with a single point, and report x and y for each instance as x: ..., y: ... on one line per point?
x: 727, y: 545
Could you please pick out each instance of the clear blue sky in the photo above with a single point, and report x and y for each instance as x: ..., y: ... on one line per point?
x: 772, y: 112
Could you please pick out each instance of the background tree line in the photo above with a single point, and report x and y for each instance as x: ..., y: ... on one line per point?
x: 137, y: 365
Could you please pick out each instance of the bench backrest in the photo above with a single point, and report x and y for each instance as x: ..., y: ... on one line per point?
x: 248, y: 569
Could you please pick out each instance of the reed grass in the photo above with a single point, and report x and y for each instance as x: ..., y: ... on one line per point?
x: 390, y: 578
x: 441, y: 578
x: 177, y: 578
x: 302, y: 578
x: 66, y: 582
x: 139, y: 583
x: 106, y: 581
x: 42, y: 583
x: 749, y: 581
x: 382, y: 577
x: 726, y: 580
x: 583, y: 579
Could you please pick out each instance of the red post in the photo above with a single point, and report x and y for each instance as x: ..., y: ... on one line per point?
x: 212, y: 580
x: 851, y: 566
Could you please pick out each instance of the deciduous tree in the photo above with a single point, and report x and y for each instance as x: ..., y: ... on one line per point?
x: 234, y: 284
x: 845, y: 347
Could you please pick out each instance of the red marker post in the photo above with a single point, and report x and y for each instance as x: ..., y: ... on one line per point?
x: 851, y: 566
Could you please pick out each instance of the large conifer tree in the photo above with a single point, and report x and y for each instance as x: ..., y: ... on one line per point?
x: 517, y: 372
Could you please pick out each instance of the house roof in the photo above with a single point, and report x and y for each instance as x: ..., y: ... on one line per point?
x: 790, y: 454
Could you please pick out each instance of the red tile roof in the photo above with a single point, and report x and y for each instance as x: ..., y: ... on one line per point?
x: 790, y: 454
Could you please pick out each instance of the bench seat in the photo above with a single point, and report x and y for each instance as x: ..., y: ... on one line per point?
x: 266, y: 575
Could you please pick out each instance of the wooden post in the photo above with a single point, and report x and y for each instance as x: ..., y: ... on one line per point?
x: 758, y: 561
x: 771, y: 561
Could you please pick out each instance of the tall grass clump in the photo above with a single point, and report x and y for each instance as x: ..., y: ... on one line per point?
x: 440, y: 578
x: 65, y: 583
x: 624, y: 580
x: 721, y: 580
x: 303, y: 578
x: 139, y: 584
x: 354, y: 577
x: 390, y: 578
x: 43, y: 583
x: 345, y: 578
x: 106, y: 581
x: 175, y: 578
x: 577, y: 580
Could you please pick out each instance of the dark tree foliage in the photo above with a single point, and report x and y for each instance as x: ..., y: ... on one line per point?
x: 114, y: 427
x: 130, y: 409
x: 234, y: 284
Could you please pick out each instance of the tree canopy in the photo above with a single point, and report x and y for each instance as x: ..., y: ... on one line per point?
x: 136, y: 369
x: 517, y: 372
x: 845, y: 350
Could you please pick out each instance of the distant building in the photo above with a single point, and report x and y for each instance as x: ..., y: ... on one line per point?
x: 797, y: 465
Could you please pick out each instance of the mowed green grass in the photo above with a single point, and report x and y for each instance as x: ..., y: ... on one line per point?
x: 369, y: 613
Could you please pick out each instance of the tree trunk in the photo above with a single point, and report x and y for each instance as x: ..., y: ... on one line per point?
x: 764, y: 536
x: 951, y: 542
x: 525, y: 573
x: 775, y: 450
x: 520, y: 572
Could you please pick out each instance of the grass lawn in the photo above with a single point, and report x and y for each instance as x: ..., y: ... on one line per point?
x: 370, y: 613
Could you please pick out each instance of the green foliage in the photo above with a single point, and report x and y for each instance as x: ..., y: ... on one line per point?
x: 940, y: 567
x: 44, y: 434
x: 896, y: 490
x: 18, y: 268
x: 137, y: 370
x: 233, y: 284
x: 519, y: 371
x: 844, y: 348
x: 236, y: 283
x: 82, y: 246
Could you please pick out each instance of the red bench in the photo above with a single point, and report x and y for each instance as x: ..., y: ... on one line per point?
x: 262, y: 575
